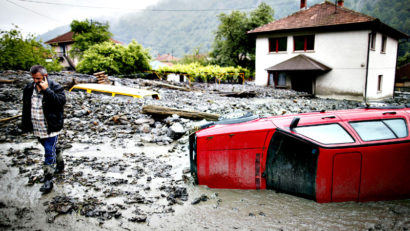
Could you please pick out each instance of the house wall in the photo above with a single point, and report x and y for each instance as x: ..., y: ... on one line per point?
x: 346, y: 54
x: 382, y: 64
x: 59, y: 51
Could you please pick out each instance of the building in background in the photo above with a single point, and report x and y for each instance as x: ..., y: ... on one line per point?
x: 62, y: 44
x: 328, y: 51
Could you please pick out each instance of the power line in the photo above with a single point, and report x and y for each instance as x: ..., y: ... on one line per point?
x: 128, y: 9
x: 32, y: 11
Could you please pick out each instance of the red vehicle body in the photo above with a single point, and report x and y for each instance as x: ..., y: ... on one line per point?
x: 346, y: 155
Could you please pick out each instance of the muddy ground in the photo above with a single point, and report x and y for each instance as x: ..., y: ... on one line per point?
x: 129, y: 171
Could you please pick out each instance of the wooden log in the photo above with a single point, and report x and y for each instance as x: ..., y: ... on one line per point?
x: 99, y: 73
x: 9, y: 118
x: 242, y: 94
x: 166, y: 111
x: 6, y: 81
x: 165, y: 85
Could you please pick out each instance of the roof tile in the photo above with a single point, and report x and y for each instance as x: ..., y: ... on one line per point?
x: 324, y: 14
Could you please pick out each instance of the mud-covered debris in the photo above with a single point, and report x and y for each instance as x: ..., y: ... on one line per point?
x: 175, y: 193
x: 62, y: 204
x: 137, y: 199
x: 176, y: 131
x: 139, y: 218
x: 203, y: 197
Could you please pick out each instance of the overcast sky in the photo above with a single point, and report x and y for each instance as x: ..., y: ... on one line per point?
x: 40, y: 16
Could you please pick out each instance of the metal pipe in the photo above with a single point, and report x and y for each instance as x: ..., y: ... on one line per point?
x: 367, y: 68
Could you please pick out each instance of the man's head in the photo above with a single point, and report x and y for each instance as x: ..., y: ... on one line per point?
x: 38, y: 72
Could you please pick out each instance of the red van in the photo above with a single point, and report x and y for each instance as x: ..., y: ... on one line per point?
x: 346, y: 155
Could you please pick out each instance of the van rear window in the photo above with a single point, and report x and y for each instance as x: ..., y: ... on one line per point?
x: 380, y: 129
x: 326, y: 133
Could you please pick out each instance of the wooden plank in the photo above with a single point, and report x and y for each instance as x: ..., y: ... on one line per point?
x: 6, y: 81
x: 9, y: 118
x: 166, y: 111
x: 165, y: 85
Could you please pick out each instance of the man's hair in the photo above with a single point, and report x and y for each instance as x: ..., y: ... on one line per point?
x: 38, y: 68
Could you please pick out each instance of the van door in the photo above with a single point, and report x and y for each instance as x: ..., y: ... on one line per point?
x: 346, y: 176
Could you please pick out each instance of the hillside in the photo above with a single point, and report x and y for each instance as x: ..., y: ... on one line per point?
x: 179, y: 26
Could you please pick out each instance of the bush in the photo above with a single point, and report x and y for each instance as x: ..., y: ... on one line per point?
x: 18, y: 53
x: 115, y: 59
x: 197, y: 72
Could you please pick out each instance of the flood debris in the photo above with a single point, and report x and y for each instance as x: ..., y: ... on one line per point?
x: 3, y: 120
x: 111, y: 178
x: 165, y: 85
x: 203, y: 197
x: 102, y: 78
x: 167, y: 111
x: 241, y: 94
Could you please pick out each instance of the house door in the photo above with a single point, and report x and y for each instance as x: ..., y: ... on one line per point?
x: 302, y: 82
x: 271, y: 79
x: 63, y: 51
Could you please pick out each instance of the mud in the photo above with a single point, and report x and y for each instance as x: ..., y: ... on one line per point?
x: 124, y: 171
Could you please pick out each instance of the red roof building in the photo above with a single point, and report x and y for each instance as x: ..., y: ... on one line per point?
x: 166, y: 58
x: 62, y: 44
x: 330, y: 51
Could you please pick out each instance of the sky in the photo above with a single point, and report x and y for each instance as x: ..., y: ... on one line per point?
x: 39, y: 16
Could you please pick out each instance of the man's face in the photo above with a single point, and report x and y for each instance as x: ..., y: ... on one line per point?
x: 37, y: 77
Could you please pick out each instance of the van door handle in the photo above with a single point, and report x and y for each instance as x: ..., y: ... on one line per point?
x: 389, y: 113
x: 328, y: 117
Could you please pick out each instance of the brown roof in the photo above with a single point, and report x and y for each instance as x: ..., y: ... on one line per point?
x: 68, y: 38
x: 323, y: 15
x: 299, y: 63
x: 64, y: 38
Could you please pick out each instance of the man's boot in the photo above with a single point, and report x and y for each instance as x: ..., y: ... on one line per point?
x: 48, y: 179
x: 60, y: 162
x: 59, y: 167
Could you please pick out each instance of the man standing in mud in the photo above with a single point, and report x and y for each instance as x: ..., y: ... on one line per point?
x: 43, y: 113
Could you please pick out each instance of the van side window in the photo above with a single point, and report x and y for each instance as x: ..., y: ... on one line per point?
x: 380, y: 129
x: 326, y: 133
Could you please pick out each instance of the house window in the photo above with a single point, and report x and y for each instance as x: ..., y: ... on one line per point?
x: 384, y: 40
x: 379, y: 83
x: 278, y: 44
x: 372, y: 38
x: 303, y: 43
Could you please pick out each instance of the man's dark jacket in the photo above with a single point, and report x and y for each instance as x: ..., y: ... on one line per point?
x: 53, y: 107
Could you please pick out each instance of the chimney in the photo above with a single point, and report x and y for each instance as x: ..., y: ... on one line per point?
x: 302, y: 4
x: 340, y: 3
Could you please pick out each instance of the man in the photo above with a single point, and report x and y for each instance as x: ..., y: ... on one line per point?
x: 43, y: 113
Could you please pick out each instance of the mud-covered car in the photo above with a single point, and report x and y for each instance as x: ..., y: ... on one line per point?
x: 347, y: 155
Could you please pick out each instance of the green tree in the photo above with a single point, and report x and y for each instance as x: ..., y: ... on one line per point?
x: 405, y: 59
x: 396, y: 14
x: 86, y: 34
x: 115, y: 59
x: 195, y: 57
x: 232, y: 46
x: 18, y: 53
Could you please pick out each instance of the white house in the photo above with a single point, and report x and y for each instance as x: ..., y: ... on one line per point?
x: 329, y: 51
